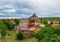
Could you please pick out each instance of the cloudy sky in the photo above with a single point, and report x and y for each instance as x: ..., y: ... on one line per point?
x: 25, y: 8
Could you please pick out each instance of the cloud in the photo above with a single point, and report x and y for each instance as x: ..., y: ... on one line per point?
x: 25, y: 8
x: 2, y: 14
x: 10, y: 10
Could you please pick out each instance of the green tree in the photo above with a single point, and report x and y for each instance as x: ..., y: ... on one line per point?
x: 10, y: 25
x: 3, y: 30
x: 17, y: 21
x: 20, y: 36
x: 48, y: 34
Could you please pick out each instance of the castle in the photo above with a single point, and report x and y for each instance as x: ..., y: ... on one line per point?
x: 31, y: 22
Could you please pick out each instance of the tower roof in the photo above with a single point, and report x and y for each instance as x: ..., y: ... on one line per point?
x: 34, y: 15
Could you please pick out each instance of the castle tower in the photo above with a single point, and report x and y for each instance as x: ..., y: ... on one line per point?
x: 34, y: 20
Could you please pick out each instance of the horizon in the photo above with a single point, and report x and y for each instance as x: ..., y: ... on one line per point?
x: 23, y: 18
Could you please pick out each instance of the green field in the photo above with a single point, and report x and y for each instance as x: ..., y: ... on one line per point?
x: 12, y: 38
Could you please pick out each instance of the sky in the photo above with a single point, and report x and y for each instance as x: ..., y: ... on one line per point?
x: 25, y: 8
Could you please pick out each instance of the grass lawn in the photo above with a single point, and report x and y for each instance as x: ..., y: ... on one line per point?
x: 28, y: 40
x: 12, y: 38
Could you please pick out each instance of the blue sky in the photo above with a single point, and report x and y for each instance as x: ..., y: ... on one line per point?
x: 25, y: 8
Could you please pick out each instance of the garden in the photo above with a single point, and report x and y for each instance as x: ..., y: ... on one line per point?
x: 45, y: 34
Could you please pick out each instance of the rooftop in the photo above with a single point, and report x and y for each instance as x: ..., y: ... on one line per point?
x: 23, y: 28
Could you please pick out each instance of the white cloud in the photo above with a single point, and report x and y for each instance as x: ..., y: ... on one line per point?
x: 43, y: 8
x: 10, y: 10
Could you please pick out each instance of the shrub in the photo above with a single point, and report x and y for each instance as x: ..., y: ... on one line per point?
x: 32, y: 33
x: 20, y: 35
x: 3, y: 32
x: 48, y: 34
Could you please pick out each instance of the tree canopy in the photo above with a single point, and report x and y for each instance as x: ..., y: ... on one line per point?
x: 48, y: 34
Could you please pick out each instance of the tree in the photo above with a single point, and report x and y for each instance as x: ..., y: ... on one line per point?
x: 17, y: 21
x: 20, y: 35
x: 3, y: 30
x: 10, y: 25
x: 48, y: 34
x: 32, y: 33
